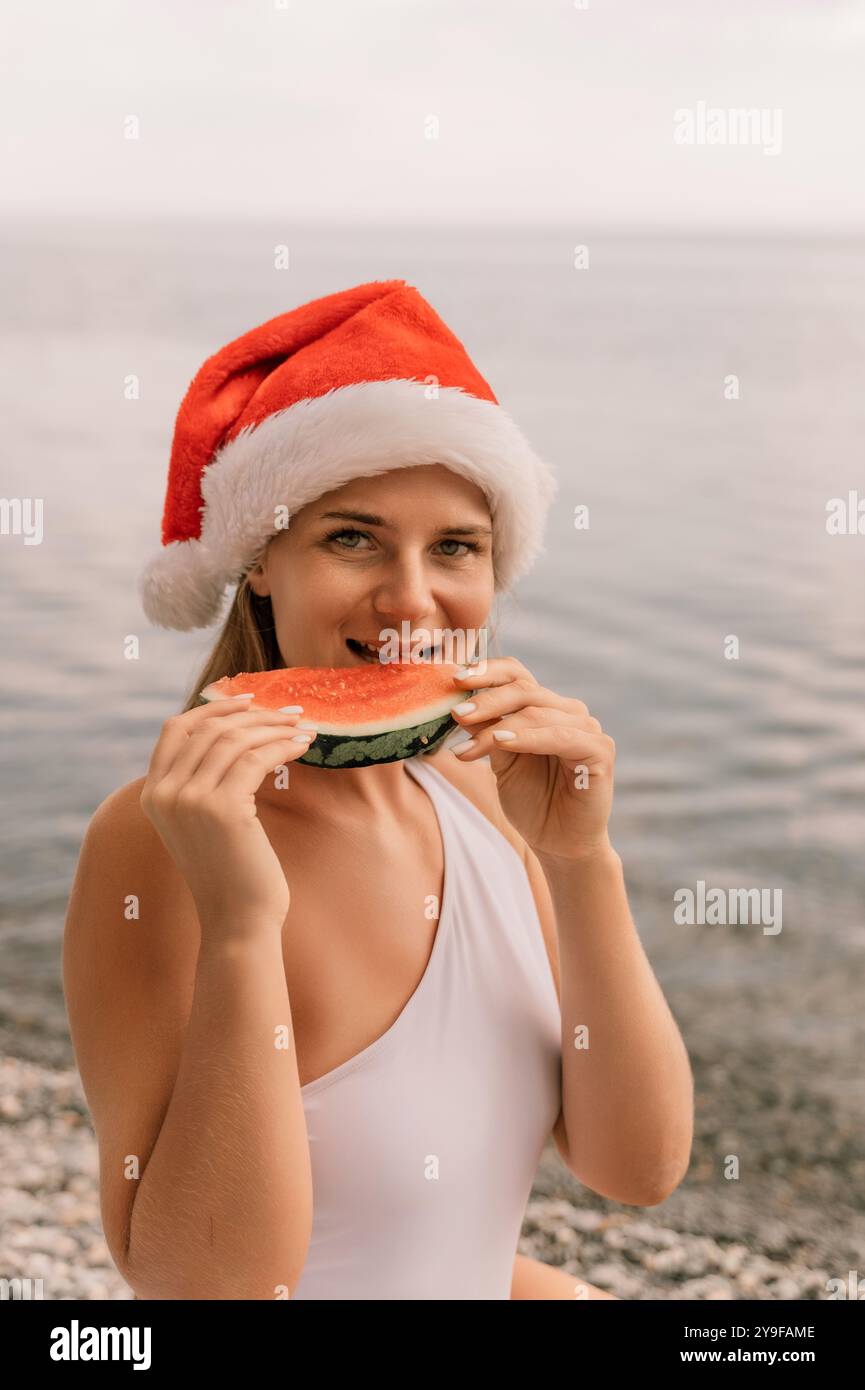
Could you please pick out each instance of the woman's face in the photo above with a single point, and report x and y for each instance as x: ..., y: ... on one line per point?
x: 413, y: 545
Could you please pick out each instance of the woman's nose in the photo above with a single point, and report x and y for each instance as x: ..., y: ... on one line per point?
x: 404, y: 592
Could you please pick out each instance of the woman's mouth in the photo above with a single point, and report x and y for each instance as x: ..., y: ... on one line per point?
x: 369, y: 651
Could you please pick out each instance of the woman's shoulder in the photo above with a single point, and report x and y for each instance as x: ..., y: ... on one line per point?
x: 120, y: 831
x: 121, y: 811
x: 123, y: 800
x: 130, y: 918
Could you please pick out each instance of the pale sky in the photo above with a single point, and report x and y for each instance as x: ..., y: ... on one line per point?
x: 319, y: 111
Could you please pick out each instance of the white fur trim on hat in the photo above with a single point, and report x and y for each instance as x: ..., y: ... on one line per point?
x: 317, y: 445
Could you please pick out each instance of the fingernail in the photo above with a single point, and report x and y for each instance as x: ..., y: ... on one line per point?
x: 503, y: 733
x: 467, y: 707
x: 304, y: 724
x: 461, y: 747
x: 291, y: 709
x: 302, y: 738
x: 462, y: 671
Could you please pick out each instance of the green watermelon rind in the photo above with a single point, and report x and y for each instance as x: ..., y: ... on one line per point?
x: 347, y: 751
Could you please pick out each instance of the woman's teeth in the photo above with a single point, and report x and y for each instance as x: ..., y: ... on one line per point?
x: 365, y: 650
x: 368, y: 651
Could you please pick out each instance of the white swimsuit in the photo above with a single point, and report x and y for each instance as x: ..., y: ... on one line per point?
x: 425, y: 1145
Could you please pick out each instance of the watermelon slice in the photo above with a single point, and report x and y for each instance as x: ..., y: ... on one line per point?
x: 365, y: 715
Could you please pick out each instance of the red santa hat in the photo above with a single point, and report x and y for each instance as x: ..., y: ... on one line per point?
x: 348, y: 386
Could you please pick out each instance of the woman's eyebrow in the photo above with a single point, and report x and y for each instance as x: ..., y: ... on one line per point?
x: 369, y: 519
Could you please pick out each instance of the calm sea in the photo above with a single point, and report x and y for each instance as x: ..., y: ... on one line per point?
x: 707, y: 519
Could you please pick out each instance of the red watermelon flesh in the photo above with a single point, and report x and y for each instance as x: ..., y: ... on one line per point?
x: 352, y: 701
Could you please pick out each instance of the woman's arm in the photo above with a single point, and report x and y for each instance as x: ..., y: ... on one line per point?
x: 224, y: 1206
x: 627, y: 1087
x: 627, y: 1090
x: 205, y: 1177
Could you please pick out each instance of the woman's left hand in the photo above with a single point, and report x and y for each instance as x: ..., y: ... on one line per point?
x: 555, y: 775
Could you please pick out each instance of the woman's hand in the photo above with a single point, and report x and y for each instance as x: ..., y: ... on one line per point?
x: 199, y: 793
x: 555, y: 774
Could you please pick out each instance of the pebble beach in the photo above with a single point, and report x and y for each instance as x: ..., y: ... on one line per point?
x: 687, y: 1249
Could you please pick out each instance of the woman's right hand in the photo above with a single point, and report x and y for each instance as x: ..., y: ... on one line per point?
x: 199, y: 793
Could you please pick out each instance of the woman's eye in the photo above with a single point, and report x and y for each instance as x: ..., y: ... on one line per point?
x: 350, y: 534
x: 340, y: 536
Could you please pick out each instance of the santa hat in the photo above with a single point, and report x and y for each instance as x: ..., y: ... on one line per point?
x: 348, y: 386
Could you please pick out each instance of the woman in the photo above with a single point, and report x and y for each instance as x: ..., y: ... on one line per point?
x: 305, y: 1082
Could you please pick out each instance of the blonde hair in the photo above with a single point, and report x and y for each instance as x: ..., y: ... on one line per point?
x: 247, y: 641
